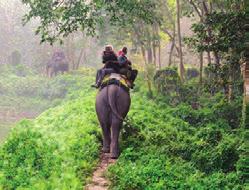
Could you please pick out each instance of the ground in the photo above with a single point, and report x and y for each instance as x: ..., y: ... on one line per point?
x: 99, y: 181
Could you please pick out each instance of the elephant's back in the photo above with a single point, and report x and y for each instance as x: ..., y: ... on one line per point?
x: 113, y: 91
x: 114, y: 96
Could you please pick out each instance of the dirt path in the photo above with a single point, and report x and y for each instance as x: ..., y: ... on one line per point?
x: 99, y: 182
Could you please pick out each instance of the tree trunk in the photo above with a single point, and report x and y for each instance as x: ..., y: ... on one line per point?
x: 171, y: 53
x: 230, y: 89
x: 217, y: 59
x: 180, y: 40
x: 70, y: 50
x: 144, y: 55
x: 147, y: 78
x: 79, y: 59
x: 209, y: 58
x: 143, y: 50
x: 201, y: 68
x: 149, y: 55
x: 154, y: 54
x: 156, y: 42
x: 173, y: 45
x: 159, y: 56
x: 172, y: 38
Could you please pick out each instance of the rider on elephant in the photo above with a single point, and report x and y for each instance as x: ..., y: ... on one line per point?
x: 114, y: 64
x: 110, y: 61
x: 112, y: 102
x: 126, y: 65
x: 58, y: 63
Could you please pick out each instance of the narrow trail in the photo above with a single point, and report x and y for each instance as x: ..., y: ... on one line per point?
x: 99, y: 181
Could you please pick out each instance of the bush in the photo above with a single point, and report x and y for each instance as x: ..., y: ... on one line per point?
x: 26, y: 156
x: 177, y: 148
x: 242, y: 164
x: 58, y: 150
x: 229, y: 111
x: 221, y: 156
x: 156, y: 171
x: 167, y: 81
x: 163, y: 147
x: 172, y: 90
x: 192, y: 73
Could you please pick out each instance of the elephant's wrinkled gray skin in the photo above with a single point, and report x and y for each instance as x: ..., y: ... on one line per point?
x: 112, y: 105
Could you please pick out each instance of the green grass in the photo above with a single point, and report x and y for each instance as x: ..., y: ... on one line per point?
x: 179, y: 148
x: 58, y: 150
x: 163, y: 147
x: 30, y: 94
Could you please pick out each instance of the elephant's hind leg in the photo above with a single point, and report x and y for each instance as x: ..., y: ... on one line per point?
x: 103, y: 116
x: 119, y: 102
x: 106, y: 137
x: 115, y: 127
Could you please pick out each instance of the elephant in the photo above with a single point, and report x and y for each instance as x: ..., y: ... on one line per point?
x: 58, y: 63
x: 112, y: 106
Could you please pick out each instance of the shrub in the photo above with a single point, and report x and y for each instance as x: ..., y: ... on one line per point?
x: 177, y: 148
x: 167, y: 80
x: 229, y: 111
x: 243, y: 162
x: 192, y: 73
x: 222, y: 156
x: 58, y: 150
x: 163, y: 147
x: 26, y: 156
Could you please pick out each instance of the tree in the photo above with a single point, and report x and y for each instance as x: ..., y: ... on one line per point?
x: 221, y: 32
x: 59, y: 18
x: 168, y: 26
x: 180, y: 40
x: 16, y: 37
x: 203, y: 8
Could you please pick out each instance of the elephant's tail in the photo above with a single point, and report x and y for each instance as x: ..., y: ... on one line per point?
x: 112, y: 101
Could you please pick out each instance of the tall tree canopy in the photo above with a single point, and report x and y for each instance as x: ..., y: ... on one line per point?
x: 59, y: 18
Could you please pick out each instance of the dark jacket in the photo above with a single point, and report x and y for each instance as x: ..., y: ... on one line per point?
x: 124, y: 62
x: 110, y: 60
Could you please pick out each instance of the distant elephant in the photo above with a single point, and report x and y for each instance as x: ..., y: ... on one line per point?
x: 57, y: 64
x: 112, y: 105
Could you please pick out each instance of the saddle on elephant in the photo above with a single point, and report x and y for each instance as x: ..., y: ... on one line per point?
x: 116, y: 79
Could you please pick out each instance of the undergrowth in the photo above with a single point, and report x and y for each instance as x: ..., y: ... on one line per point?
x: 164, y: 145
x: 180, y: 146
x: 57, y: 150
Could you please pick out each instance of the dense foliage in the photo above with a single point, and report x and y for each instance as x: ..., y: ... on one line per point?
x: 23, y: 89
x: 60, y: 18
x: 180, y: 135
x: 178, y: 147
x: 221, y: 34
x: 58, y: 150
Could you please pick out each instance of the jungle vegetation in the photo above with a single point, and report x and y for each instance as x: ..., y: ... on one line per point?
x: 186, y: 128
